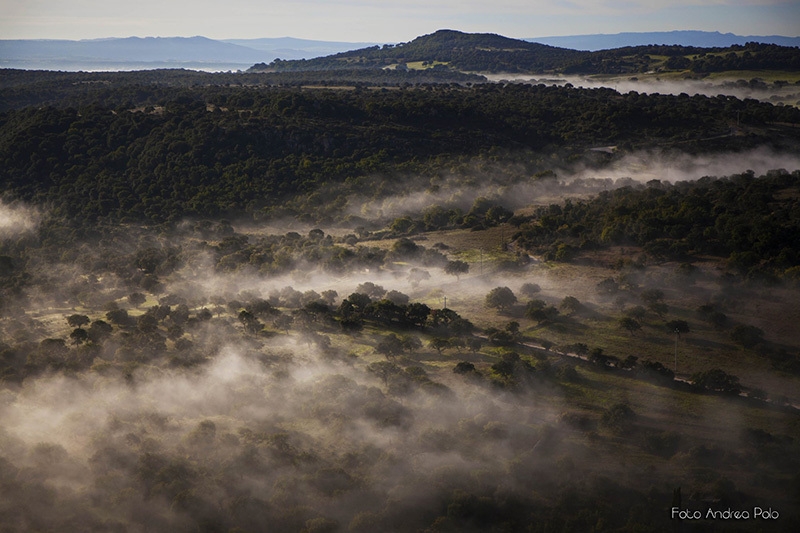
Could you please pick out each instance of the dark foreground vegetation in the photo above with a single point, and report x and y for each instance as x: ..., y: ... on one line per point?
x: 366, y: 308
x: 155, y: 382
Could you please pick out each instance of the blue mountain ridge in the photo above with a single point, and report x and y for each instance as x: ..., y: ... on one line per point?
x: 200, y: 52
x: 703, y: 39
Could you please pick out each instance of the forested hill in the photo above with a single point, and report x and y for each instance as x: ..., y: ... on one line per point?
x: 166, y: 153
x: 481, y: 52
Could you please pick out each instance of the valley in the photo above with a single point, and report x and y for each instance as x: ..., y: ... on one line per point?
x: 363, y: 300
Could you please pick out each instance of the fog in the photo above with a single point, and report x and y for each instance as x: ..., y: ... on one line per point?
x: 17, y: 219
x: 299, y: 436
x: 563, y: 181
x: 784, y: 94
x: 218, y: 377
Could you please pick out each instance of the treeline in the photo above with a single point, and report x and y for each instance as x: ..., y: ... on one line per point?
x: 752, y: 221
x: 632, y: 59
x: 166, y: 153
x: 21, y: 88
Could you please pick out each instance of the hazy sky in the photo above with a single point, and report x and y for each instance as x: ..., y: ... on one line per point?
x: 387, y: 21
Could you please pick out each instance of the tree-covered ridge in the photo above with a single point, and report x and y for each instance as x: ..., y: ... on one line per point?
x: 483, y: 52
x: 753, y: 222
x: 480, y: 52
x: 633, y: 59
x: 22, y: 88
x: 217, y: 151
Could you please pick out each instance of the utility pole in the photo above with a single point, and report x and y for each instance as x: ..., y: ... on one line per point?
x: 445, y: 303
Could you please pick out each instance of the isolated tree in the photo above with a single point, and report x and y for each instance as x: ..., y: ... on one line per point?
x: 461, y: 326
x: 77, y: 321
x: 417, y: 314
x: 390, y: 346
x: 570, y: 305
x: 659, y: 308
x: 119, y: 317
x: 439, y: 344
x: 79, y: 336
x: 456, y: 268
x: 529, y: 289
x: 630, y: 324
x: 359, y: 300
x: 411, y: 343
x: 747, y: 336
x: 651, y: 296
x: 580, y: 348
x: 147, y: 323
x: 499, y: 337
x: 136, y: 299
x: 678, y: 326
x: 262, y: 308
x: 619, y: 417
x: 464, y: 367
x: 249, y: 321
x: 99, y: 330
x: 329, y: 297
x: 371, y: 290
x: 474, y: 344
x: 539, y: 311
x: 718, y: 319
x: 498, y: 214
x: 636, y: 312
x: 608, y: 286
x: 180, y: 314
x: 418, y: 275
x: 384, y: 370
x: 397, y: 297
x: 717, y: 380
x: 500, y: 298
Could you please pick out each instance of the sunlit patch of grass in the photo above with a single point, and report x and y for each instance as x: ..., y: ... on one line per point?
x: 418, y: 65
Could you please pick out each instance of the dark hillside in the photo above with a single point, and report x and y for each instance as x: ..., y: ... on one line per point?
x: 483, y: 52
x: 170, y: 153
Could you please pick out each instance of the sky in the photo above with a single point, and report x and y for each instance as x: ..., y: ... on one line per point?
x: 386, y: 21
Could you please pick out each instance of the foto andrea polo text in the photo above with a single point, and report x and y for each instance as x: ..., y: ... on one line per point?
x: 757, y: 513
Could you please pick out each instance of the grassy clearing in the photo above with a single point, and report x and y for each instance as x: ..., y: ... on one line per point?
x: 598, y: 324
x: 424, y: 65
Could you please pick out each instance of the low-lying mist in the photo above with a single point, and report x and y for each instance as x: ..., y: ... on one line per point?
x: 562, y: 181
x: 17, y: 219
x: 217, y: 376
x: 754, y: 88
x: 270, y: 437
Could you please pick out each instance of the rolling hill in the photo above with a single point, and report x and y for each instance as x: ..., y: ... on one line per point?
x: 484, y: 52
x: 490, y: 53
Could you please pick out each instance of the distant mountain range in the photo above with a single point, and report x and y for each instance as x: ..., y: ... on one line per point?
x: 201, y: 53
x: 135, y: 53
x: 703, y: 39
